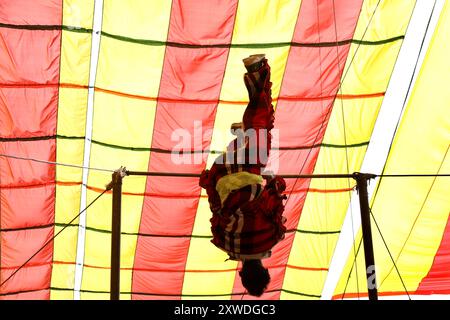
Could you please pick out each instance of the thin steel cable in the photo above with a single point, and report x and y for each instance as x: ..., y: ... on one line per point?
x: 346, y: 150
x: 55, y: 163
x: 350, y: 273
x: 413, y: 175
x: 322, y: 104
x: 168, y: 174
x: 390, y: 255
x: 418, y: 214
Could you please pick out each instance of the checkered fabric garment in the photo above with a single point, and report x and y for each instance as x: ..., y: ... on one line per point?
x: 250, y: 222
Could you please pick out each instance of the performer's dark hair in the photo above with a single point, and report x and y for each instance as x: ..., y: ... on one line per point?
x: 254, y: 277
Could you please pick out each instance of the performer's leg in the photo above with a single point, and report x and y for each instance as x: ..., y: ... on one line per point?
x: 259, y: 112
x: 258, y: 117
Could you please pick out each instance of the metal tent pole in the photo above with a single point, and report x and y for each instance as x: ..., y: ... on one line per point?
x: 361, y: 180
x: 117, y: 177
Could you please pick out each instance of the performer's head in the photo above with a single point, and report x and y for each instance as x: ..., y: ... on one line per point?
x: 255, y: 278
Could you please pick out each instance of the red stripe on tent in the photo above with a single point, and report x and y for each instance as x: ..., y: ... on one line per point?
x: 36, y: 12
x: 31, y: 57
x: 311, y: 72
x: 187, y: 74
x: 195, y: 101
x: 39, y: 294
x: 437, y: 280
x: 18, y: 247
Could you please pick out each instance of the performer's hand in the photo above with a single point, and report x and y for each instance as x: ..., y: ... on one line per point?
x: 204, y: 179
x: 268, y: 176
x: 278, y: 185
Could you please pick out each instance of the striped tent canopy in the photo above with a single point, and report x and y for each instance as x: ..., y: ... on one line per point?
x: 88, y: 86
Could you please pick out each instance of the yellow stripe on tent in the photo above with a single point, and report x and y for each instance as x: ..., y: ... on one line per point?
x: 121, y: 123
x: 74, y: 69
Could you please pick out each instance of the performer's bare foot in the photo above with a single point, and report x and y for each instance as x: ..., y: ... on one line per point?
x: 254, y: 62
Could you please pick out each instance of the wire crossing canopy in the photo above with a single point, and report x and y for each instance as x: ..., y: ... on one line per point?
x: 95, y: 85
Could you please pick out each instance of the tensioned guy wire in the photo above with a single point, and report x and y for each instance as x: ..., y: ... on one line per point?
x: 194, y: 175
x: 390, y: 254
x: 346, y: 149
x: 55, y: 163
x: 415, y: 220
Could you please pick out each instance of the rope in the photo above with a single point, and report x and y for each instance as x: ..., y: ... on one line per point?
x: 413, y: 175
x: 390, y: 255
x: 50, y: 240
x: 418, y: 215
x: 351, y: 211
x: 350, y: 272
x: 54, y: 163
x: 322, y: 104
x: 195, y: 175
x: 340, y: 84
x: 346, y: 149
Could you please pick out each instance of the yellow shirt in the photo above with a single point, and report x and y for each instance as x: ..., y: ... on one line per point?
x: 235, y: 181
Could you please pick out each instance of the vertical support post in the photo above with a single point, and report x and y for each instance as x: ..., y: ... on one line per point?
x: 115, y: 232
x: 361, y: 180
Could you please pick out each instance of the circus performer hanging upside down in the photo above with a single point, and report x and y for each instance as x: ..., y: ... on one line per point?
x: 247, y: 217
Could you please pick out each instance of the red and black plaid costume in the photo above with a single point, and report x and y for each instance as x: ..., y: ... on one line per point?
x: 249, y: 222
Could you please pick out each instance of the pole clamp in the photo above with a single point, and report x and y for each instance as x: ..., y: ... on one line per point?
x: 117, y: 177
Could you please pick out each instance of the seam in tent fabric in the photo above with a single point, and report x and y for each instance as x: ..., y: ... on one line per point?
x: 56, y: 154
x: 196, y: 46
x: 105, y: 144
x: 95, y: 51
x: 345, y: 134
x: 192, y: 101
x: 152, y: 234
